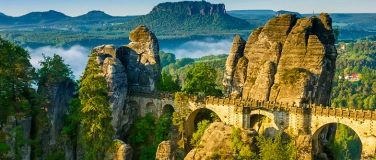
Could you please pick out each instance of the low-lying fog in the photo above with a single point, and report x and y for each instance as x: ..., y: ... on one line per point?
x: 76, y: 56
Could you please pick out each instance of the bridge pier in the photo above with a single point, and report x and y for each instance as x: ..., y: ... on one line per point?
x: 368, y: 147
x: 304, y: 147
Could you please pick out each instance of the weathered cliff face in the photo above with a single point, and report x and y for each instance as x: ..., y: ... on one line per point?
x: 116, y: 77
x: 216, y: 142
x: 237, y: 51
x: 142, y: 60
x: 190, y: 8
x: 16, y: 131
x: 130, y: 68
x: 49, y: 133
x: 289, y: 60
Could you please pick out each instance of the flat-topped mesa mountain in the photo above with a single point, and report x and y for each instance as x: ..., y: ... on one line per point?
x: 288, y: 60
x: 190, y: 8
x: 182, y: 18
x: 129, y: 68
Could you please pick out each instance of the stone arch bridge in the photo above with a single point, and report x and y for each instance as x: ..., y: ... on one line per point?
x: 306, y: 121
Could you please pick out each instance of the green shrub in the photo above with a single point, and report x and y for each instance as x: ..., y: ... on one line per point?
x: 201, y: 127
x: 291, y: 76
x: 236, y: 142
x: 162, y: 128
x: 143, y: 128
x: 275, y: 149
x: 4, y: 147
x: 148, y: 152
x: 56, y: 156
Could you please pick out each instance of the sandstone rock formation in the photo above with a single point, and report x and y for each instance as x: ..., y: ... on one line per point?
x: 166, y: 150
x: 17, y: 130
x: 216, y: 142
x: 58, y: 96
x: 236, y: 53
x: 122, y: 151
x: 142, y: 60
x: 287, y: 60
x: 130, y: 68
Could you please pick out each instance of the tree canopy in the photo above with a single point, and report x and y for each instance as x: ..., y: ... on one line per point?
x: 201, y: 80
x: 167, y: 83
x: 53, y: 70
x: 16, y: 77
x: 167, y: 58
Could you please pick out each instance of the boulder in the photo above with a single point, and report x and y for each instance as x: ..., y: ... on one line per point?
x: 216, y: 142
x: 122, y: 151
x: 166, y: 151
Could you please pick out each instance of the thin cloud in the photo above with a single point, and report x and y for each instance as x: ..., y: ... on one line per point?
x: 199, y: 48
x: 76, y: 56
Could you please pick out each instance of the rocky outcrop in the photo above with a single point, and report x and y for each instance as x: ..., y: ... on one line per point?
x: 190, y: 8
x: 166, y: 150
x: 280, y: 12
x: 216, y: 142
x: 58, y: 96
x: 236, y: 53
x: 142, y: 60
x: 116, y: 78
x: 289, y: 60
x: 130, y: 68
x: 122, y: 151
x: 16, y: 132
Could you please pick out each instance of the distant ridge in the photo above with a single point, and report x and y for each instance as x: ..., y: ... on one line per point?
x: 186, y: 18
x: 94, y: 14
x: 41, y: 17
x: 254, y: 12
x: 53, y: 18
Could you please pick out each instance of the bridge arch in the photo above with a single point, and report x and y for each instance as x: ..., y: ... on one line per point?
x: 134, y: 107
x: 190, y: 121
x: 321, y: 137
x: 150, y: 108
x: 167, y: 109
x: 264, y: 122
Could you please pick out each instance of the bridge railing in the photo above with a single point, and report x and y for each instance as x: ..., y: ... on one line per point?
x: 156, y: 95
x: 268, y: 105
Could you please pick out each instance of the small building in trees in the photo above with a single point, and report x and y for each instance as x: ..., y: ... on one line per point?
x: 352, y: 77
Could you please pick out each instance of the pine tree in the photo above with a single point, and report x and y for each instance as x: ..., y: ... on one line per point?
x: 54, y: 70
x: 16, y: 77
x: 97, y: 133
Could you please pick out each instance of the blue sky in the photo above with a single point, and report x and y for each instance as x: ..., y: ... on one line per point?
x: 138, y: 7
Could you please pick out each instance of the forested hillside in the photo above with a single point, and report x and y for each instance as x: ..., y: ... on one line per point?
x: 358, y: 58
x: 184, y: 19
x: 178, y: 68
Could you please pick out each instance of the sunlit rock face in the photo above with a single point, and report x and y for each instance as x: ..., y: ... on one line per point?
x: 290, y: 59
x: 166, y: 151
x: 216, y: 142
x: 129, y: 68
